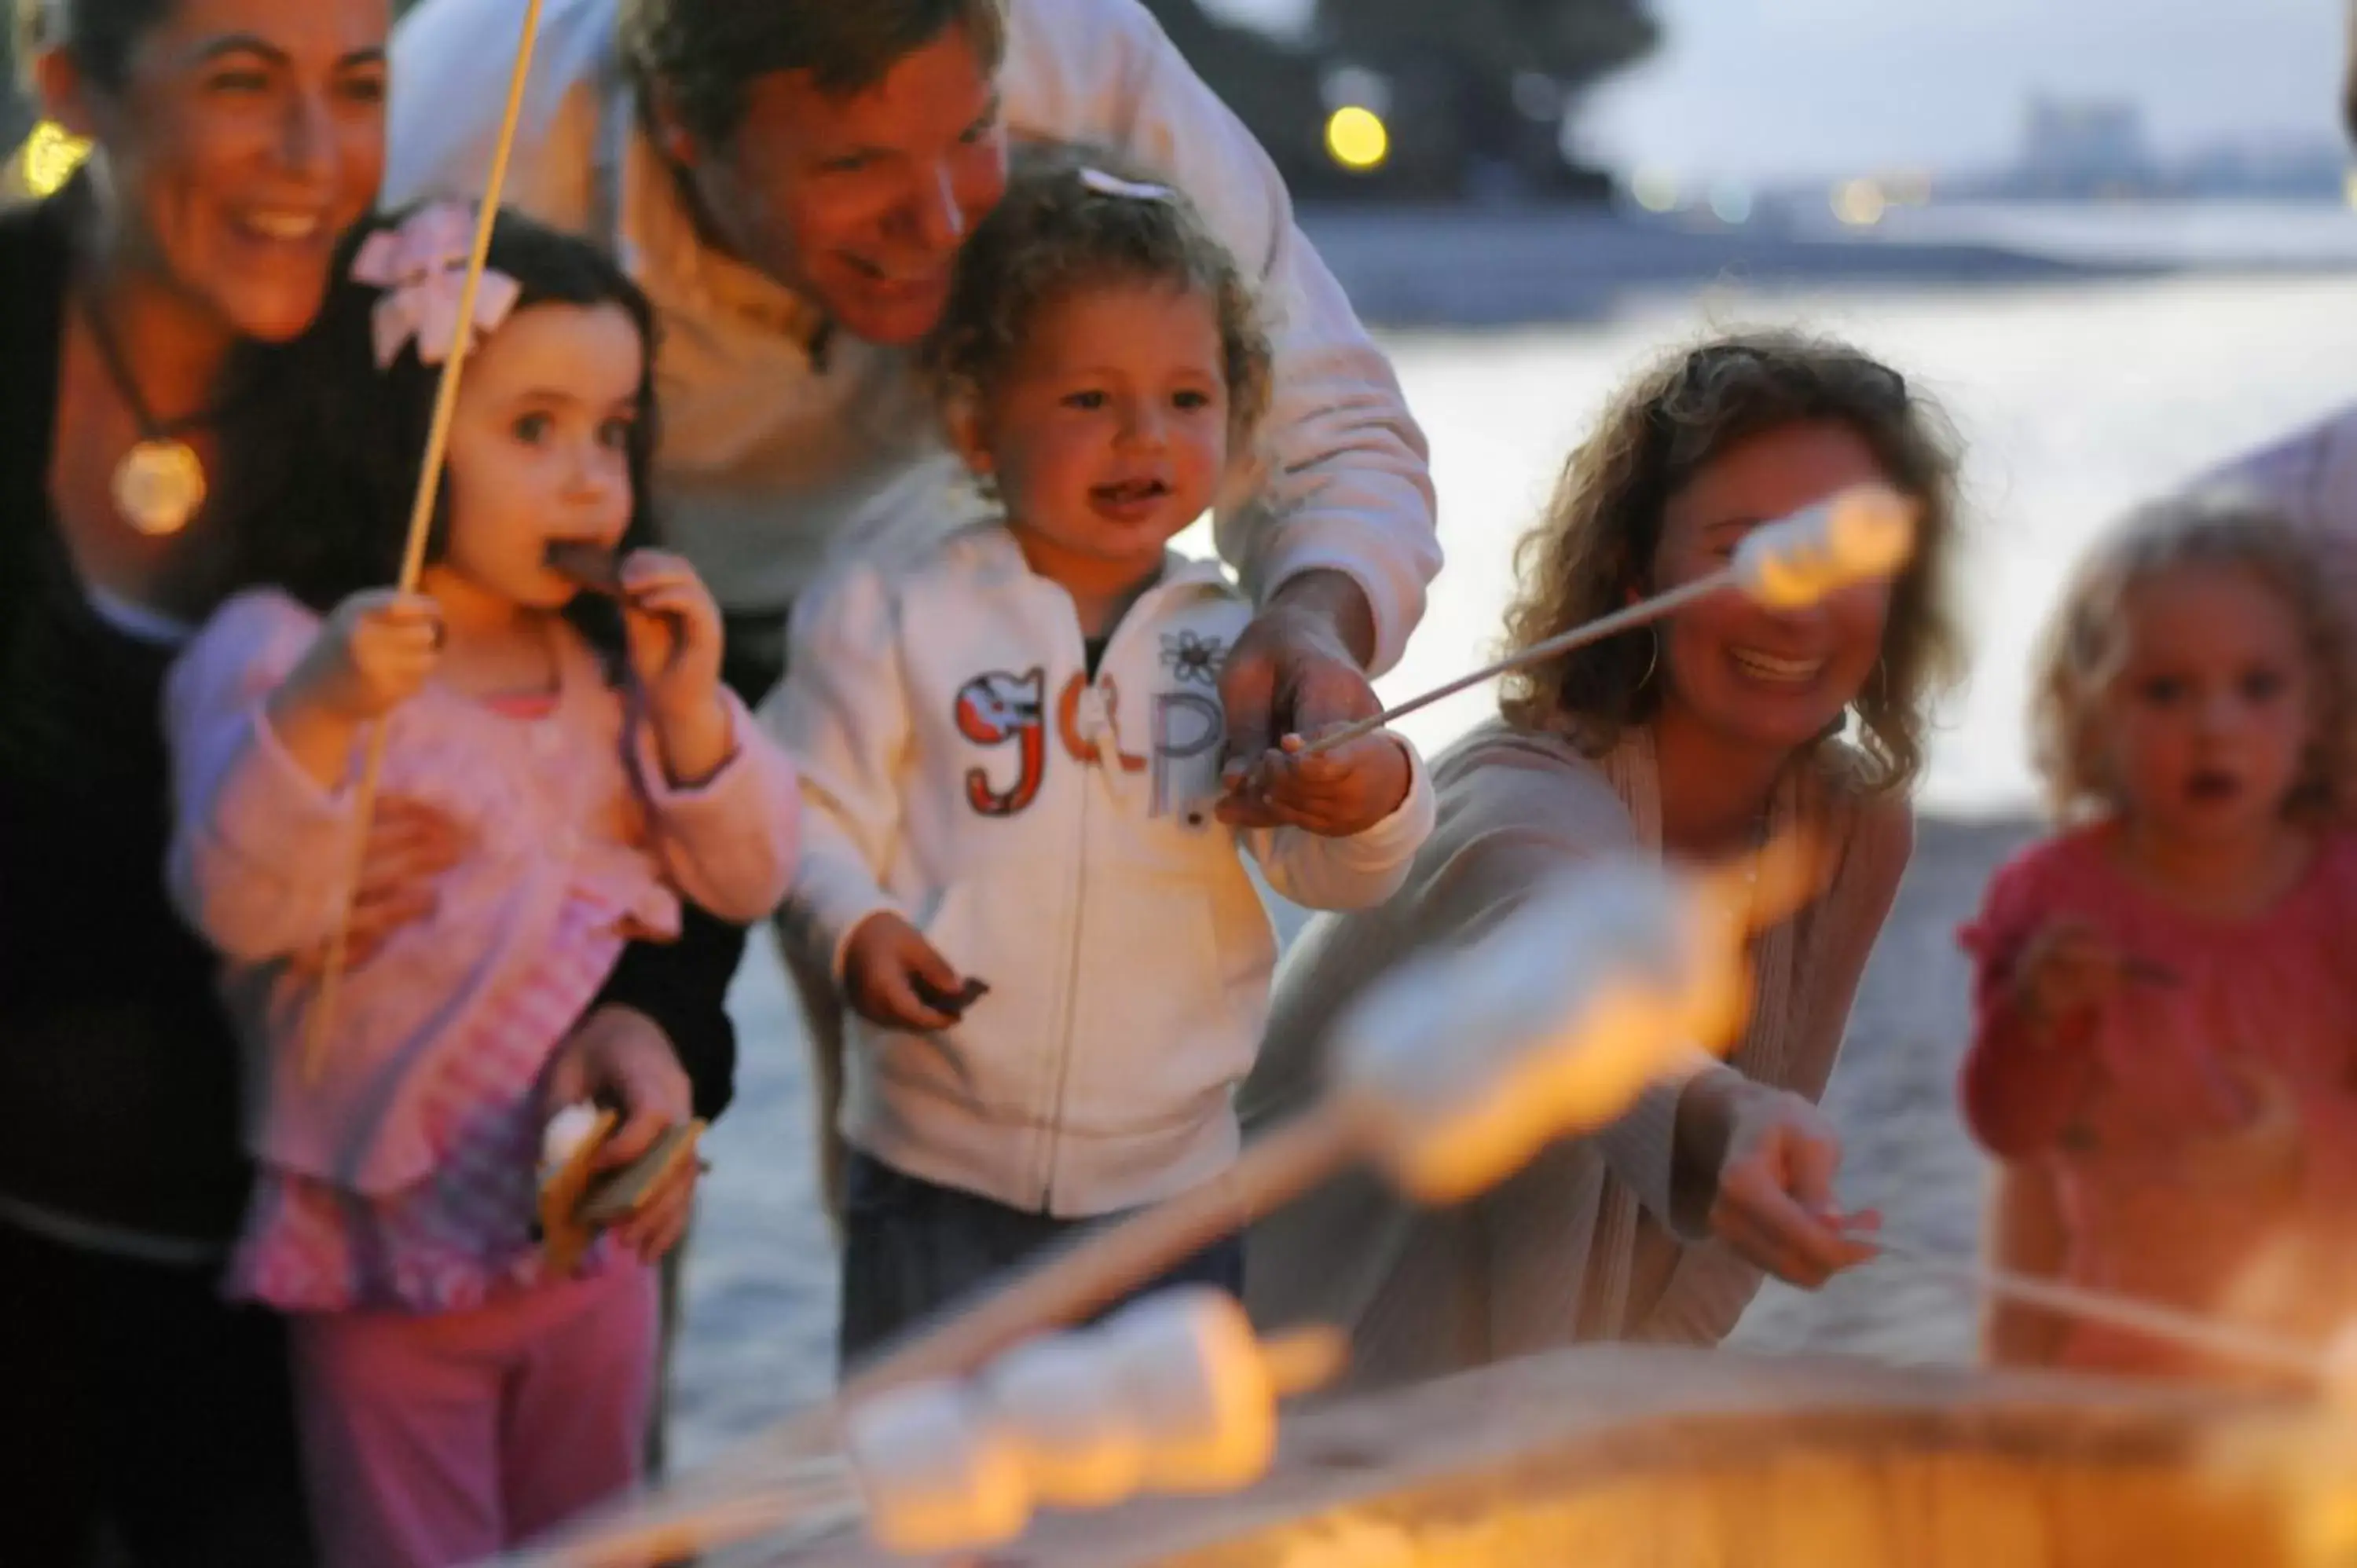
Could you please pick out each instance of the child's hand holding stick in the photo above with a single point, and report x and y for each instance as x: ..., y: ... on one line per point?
x: 375, y: 652
x: 1336, y: 793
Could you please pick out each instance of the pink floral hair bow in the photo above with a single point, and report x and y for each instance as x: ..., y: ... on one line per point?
x: 422, y: 267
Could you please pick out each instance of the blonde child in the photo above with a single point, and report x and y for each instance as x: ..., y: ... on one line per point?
x: 454, y: 1397
x: 2165, y: 1002
x: 1010, y: 755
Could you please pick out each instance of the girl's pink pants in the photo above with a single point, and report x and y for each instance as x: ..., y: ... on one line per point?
x: 430, y: 1441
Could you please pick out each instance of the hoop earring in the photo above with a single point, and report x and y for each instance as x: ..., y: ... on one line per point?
x: 1652, y: 658
x: 1839, y: 723
x: 1881, y: 687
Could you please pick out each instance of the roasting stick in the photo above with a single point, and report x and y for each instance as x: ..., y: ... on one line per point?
x: 2189, y: 1329
x: 1644, y: 614
x: 1452, y: 1072
x: 1862, y: 533
x: 421, y: 517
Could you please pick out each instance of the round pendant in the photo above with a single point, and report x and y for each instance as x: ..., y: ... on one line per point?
x: 158, y: 486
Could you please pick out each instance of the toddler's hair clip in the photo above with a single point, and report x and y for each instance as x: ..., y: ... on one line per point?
x: 1105, y: 184
x: 422, y: 267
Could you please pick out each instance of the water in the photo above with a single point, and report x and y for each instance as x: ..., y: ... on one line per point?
x: 2075, y: 402
x: 2200, y: 232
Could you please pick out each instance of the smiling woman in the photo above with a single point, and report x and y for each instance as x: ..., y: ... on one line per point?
x: 1705, y: 742
x: 457, y: 1392
x: 232, y: 141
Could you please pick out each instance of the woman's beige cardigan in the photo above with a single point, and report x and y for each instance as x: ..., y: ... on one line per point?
x: 1579, y: 1245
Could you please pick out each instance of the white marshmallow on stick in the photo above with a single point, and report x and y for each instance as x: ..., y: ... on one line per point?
x: 1083, y: 1445
x: 1862, y: 533
x: 1463, y: 1065
x: 1201, y: 1386
x: 1857, y: 536
x: 938, y: 1474
x: 1173, y: 1394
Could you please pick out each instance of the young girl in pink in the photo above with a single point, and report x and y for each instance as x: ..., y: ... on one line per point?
x: 2165, y: 1047
x: 455, y: 1398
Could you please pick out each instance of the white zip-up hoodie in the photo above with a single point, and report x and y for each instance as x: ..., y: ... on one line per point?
x: 1053, y: 836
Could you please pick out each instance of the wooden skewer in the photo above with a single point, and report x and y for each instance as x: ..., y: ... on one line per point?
x: 2189, y: 1329
x: 421, y: 517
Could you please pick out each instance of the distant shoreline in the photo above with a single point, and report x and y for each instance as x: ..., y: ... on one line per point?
x: 1458, y: 267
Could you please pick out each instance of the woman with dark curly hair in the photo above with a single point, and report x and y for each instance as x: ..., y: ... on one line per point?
x: 1699, y: 739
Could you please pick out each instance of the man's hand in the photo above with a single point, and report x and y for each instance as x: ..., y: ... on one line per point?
x: 620, y: 1057
x: 1299, y: 667
x: 410, y: 844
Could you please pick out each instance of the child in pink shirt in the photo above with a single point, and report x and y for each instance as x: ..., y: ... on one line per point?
x: 2165, y: 1045
x: 456, y: 1398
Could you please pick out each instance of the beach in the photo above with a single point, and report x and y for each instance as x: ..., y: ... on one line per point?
x: 2075, y: 398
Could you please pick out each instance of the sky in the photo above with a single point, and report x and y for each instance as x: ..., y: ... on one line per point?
x: 1761, y: 89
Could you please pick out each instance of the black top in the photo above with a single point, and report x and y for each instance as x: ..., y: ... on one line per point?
x: 118, y: 1079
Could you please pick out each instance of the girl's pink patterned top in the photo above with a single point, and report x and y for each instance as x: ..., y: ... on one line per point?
x: 463, y: 1234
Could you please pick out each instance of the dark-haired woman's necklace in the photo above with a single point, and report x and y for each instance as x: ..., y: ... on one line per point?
x: 160, y: 483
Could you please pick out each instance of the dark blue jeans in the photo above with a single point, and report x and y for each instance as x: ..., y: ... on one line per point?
x: 912, y: 1249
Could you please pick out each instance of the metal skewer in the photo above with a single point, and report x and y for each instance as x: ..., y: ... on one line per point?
x: 1860, y: 535
x: 2172, y: 1325
x: 1595, y: 631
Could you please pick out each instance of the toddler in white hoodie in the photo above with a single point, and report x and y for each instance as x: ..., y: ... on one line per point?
x: 1055, y: 960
